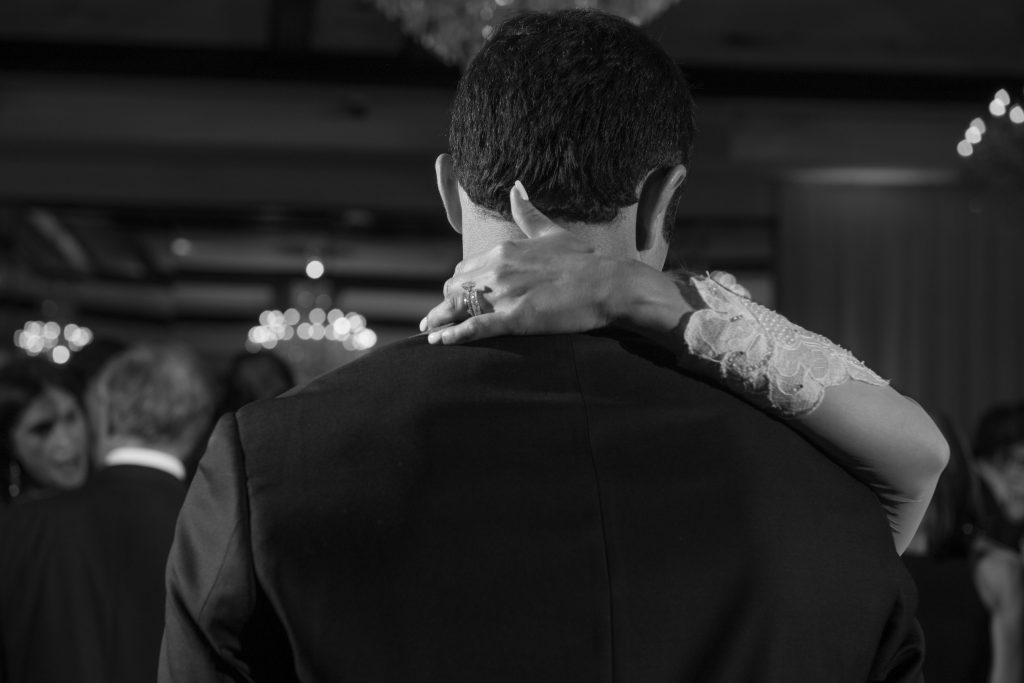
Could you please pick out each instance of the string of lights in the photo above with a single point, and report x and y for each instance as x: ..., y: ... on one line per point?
x: 1001, y: 105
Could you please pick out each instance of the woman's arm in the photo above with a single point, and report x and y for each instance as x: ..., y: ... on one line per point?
x: 999, y: 579
x: 557, y: 283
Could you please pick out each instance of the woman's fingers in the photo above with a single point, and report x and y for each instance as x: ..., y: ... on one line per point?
x: 477, y: 327
x: 518, y: 278
x: 448, y: 311
x: 530, y: 220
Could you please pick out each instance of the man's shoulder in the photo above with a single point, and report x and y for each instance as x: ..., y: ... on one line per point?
x: 404, y: 378
x: 412, y: 365
x: 384, y: 367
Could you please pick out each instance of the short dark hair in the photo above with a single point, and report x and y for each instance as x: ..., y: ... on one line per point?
x: 1001, y: 426
x: 955, y: 515
x: 254, y: 376
x: 579, y: 105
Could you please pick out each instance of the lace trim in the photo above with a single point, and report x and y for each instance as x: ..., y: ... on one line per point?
x: 770, y: 357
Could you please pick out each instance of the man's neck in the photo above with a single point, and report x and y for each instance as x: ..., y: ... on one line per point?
x: 616, y: 238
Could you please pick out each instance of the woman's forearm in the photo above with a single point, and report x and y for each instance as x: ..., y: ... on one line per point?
x: 999, y: 580
x: 880, y: 436
x: 887, y: 441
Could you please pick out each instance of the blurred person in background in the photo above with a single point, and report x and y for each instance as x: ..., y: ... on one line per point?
x: 44, y: 438
x: 253, y: 377
x: 971, y: 590
x: 249, y: 377
x: 81, y: 575
x: 999, y: 449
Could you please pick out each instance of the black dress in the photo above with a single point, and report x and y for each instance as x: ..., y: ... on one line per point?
x: 955, y: 622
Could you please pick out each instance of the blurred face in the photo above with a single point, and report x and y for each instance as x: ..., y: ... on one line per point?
x: 1012, y: 467
x: 50, y: 440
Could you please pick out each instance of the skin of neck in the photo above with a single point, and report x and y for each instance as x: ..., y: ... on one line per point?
x: 636, y: 231
x: 483, y: 230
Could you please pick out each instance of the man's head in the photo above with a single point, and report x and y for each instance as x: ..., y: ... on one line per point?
x: 587, y: 111
x: 153, y: 397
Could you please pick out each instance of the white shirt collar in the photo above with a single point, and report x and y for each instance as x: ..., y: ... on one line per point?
x: 146, y: 457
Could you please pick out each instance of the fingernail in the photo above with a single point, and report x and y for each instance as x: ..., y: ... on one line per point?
x: 433, y: 337
x: 522, y: 191
x: 423, y: 325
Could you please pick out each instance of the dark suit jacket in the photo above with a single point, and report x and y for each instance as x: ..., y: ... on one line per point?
x: 560, y: 508
x: 81, y: 579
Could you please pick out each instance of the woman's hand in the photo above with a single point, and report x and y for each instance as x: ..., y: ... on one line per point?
x: 550, y: 283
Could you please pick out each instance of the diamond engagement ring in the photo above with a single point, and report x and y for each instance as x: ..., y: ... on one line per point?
x: 471, y: 299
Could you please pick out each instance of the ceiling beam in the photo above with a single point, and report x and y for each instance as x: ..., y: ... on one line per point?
x: 414, y: 67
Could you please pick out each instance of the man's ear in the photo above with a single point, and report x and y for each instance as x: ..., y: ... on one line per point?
x: 448, y: 188
x: 655, y: 198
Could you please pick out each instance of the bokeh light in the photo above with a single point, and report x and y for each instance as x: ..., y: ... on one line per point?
x: 335, y: 326
x: 49, y: 339
x: 314, y: 269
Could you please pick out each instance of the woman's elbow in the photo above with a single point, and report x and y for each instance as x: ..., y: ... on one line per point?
x: 938, y: 453
x: 932, y: 458
x: 934, y: 448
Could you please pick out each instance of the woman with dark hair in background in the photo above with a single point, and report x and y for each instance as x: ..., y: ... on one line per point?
x: 999, y: 449
x: 44, y: 438
x: 971, y: 590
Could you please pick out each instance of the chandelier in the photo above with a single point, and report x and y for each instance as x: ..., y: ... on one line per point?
x: 275, y: 326
x: 455, y: 29
x: 52, y: 340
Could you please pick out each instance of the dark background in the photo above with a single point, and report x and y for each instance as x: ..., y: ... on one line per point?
x: 166, y: 169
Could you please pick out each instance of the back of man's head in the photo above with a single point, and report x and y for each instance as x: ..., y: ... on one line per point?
x: 578, y: 105
x: 152, y: 396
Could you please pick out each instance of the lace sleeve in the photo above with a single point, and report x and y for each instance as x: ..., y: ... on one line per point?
x: 777, y: 363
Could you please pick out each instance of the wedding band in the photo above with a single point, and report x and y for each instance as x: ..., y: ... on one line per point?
x: 471, y: 299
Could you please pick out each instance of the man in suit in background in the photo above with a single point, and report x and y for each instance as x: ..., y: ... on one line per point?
x: 81, y: 574
x: 538, y: 508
